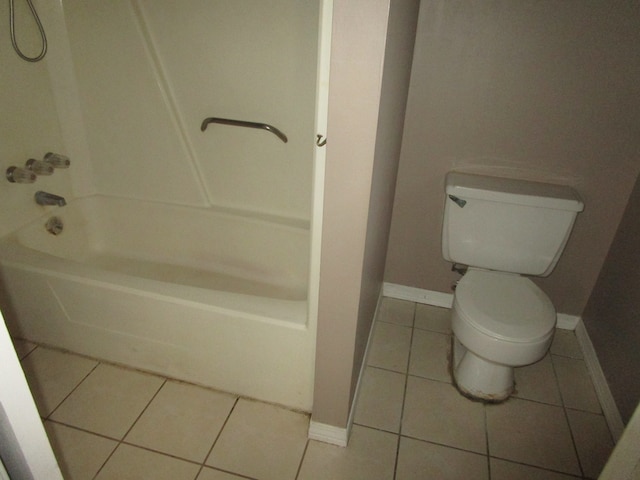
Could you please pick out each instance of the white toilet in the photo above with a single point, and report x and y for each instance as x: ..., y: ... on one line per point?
x: 500, y: 229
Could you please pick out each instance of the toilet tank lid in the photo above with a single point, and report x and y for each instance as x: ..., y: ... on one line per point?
x: 514, y: 191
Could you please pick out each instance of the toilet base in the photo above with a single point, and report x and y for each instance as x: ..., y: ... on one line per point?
x: 478, y: 378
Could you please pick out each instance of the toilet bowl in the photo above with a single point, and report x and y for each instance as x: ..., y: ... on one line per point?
x: 499, y: 321
x: 502, y: 228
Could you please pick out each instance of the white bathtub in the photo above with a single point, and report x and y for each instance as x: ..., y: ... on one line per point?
x: 203, y: 296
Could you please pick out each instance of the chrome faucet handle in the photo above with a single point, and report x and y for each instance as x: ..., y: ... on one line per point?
x: 39, y: 167
x: 20, y: 175
x: 56, y: 160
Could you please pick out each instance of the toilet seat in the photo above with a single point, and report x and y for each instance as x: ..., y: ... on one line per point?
x: 505, y: 306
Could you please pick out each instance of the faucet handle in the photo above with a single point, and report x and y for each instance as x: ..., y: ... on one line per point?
x: 39, y: 167
x: 20, y: 175
x: 56, y: 160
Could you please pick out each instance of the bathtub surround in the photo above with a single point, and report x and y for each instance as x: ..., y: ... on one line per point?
x: 172, y: 65
x: 228, y: 309
x: 123, y: 91
x: 30, y: 128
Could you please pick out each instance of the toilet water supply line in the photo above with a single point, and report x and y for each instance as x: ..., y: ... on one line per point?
x: 12, y: 28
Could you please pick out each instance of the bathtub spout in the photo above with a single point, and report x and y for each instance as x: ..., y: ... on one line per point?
x: 45, y: 198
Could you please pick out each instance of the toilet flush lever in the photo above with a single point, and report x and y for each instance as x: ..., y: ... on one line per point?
x: 460, y: 202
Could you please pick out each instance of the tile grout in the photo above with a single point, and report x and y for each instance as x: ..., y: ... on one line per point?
x: 488, y: 451
x: 398, y: 435
x: 80, y: 382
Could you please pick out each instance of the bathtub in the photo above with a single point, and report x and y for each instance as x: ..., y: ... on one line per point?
x: 208, y: 297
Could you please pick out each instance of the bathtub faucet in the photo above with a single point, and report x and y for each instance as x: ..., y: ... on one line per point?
x: 44, y: 198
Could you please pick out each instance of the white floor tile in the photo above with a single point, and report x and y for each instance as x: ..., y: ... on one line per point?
x: 22, y: 347
x: 436, y: 412
x: 444, y: 435
x: 108, y: 401
x: 430, y: 355
x: 531, y: 433
x: 261, y: 441
x: 566, y: 344
x: 538, y: 382
x: 133, y: 463
x: 400, y: 312
x: 390, y: 347
x: 370, y: 456
x: 212, y: 474
x: 52, y: 375
x: 380, y: 399
x: 80, y: 454
x: 182, y: 420
x: 503, y: 470
x: 575, y: 384
x: 432, y: 318
x: 423, y: 460
x: 593, y: 441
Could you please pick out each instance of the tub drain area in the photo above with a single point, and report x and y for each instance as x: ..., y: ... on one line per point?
x: 54, y: 225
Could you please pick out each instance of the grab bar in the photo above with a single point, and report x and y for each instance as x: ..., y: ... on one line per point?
x: 242, y: 123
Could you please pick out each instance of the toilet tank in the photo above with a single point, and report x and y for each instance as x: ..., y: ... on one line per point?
x: 505, y: 224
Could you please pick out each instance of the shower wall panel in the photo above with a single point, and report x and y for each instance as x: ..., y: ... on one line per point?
x: 28, y: 125
x: 149, y: 72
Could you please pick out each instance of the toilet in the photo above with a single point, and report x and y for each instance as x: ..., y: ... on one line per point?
x: 500, y: 229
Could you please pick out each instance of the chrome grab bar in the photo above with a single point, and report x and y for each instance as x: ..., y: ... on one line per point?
x: 242, y: 123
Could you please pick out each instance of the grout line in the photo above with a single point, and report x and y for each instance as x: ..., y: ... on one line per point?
x: 144, y: 409
x: 73, y: 390
x: 453, y: 447
x: 159, y: 452
x: 404, y: 393
x: 304, y: 452
x: 486, y: 438
x: 538, y: 467
x: 121, y: 440
x: 35, y: 347
x: 226, y: 420
x: 566, y: 417
x: 395, y: 465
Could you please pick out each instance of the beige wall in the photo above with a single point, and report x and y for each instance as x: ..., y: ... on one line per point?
x: 543, y: 90
x: 612, y: 316
x: 362, y: 154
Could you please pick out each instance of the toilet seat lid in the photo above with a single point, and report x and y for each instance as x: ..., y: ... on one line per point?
x: 505, y: 306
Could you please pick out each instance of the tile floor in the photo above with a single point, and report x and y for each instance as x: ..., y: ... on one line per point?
x: 108, y: 422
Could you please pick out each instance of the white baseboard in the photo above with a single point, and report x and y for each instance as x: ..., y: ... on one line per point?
x: 608, y: 404
x: 338, y: 435
x: 328, y: 433
x: 440, y: 299
x: 567, y: 322
x: 418, y: 295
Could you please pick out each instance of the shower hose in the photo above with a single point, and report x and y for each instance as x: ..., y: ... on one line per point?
x: 12, y: 28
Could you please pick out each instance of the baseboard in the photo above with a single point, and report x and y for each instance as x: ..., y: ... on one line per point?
x: 418, y: 295
x: 328, y: 433
x: 567, y: 322
x: 339, y: 435
x: 440, y: 299
x: 608, y: 404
